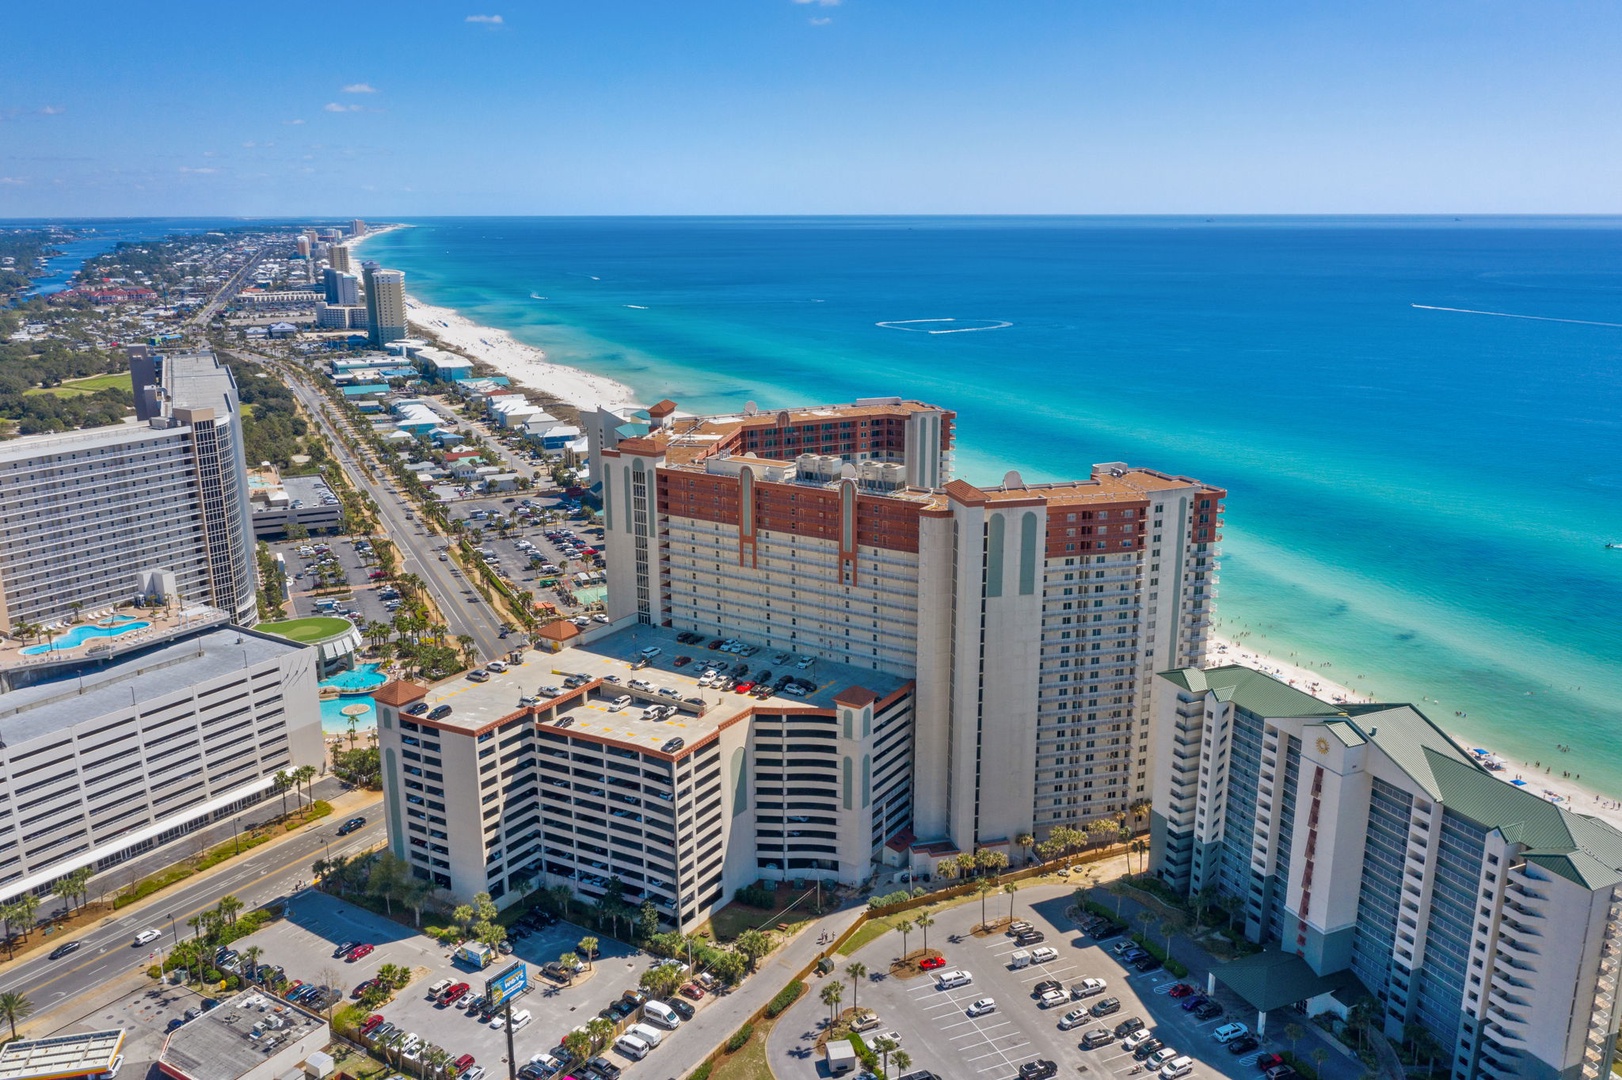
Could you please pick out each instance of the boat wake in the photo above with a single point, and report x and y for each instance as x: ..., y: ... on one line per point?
x: 1513, y: 315
x: 536, y: 296
x: 637, y: 307
x: 921, y: 326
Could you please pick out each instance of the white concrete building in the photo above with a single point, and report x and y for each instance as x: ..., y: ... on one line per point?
x: 82, y: 512
x: 110, y: 754
x: 385, y: 303
x: 1032, y: 616
x: 1365, y: 842
x: 682, y: 811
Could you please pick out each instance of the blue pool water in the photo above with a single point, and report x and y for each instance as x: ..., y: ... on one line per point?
x: 334, y: 722
x: 361, y: 677
x: 81, y: 634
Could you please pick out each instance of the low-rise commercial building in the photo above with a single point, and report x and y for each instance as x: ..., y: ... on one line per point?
x: 1363, y: 840
x: 252, y: 1036
x: 81, y: 1056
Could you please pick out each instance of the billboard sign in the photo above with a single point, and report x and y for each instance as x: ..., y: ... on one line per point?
x: 506, y: 985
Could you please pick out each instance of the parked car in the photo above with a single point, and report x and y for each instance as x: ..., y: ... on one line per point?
x: 1046, y: 986
x: 1244, y: 1044
x: 1074, y: 1018
x: 1097, y: 1037
x: 1181, y: 990
x: 359, y: 952
x: 930, y: 963
x: 1106, y: 1007
x: 1209, y: 1011
x: 1229, y: 1032
x: 982, y: 1007
x: 1041, y: 1069
x: 1087, y: 988
x: 1128, y: 1026
x: 1149, y: 1047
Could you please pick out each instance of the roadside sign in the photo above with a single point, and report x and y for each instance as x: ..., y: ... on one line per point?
x: 506, y: 985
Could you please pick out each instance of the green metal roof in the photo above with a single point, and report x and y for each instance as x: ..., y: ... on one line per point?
x: 1272, y: 979
x: 1252, y: 690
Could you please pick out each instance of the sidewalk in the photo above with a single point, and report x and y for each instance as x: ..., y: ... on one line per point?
x: 714, y: 1025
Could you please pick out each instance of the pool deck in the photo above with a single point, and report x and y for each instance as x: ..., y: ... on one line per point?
x: 12, y: 651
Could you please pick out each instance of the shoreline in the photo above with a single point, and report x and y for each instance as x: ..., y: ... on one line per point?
x: 528, y: 368
x: 1570, y: 793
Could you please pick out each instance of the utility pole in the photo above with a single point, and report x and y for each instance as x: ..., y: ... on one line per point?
x: 512, y: 1056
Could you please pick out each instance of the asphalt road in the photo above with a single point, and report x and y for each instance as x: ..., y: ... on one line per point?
x: 465, y: 612
x: 107, y: 951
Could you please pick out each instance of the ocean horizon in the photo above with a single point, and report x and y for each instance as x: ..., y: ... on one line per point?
x: 1417, y: 419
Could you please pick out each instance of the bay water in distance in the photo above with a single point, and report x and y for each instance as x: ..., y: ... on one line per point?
x: 1419, y: 420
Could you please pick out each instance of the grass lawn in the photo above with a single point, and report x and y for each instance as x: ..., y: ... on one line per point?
x: 725, y: 925
x: 82, y: 387
x: 749, y: 1063
x: 305, y: 631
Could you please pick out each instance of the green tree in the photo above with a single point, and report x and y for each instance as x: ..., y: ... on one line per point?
x: 857, y: 971
x: 15, y: 1007
x: 228, y: 908
x: 832, y: 994
x: 903, y: 1061
x: 648, y: 921
x: 1025, y: 840
x: 578, y: 1044
x: 387, y: 881
x: 601, y: 1030
x: 984, y: 888
x: 884, y: 1048
x: 661, y: 981
x: 924, y: 922
x: 753, y: 944
x: 588, y: 949
x: 1293, y: 1033
x: 727, y: 965
x: 1009, y: 889
x: 904, y: 927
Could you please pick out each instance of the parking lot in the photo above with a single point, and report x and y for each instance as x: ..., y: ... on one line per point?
x: 941, y: 1036
x: 303, y: 944
x: 355, y: 566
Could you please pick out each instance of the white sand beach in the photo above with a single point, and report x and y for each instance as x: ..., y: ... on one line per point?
x: 524, y: 364
x: 1540, y: 777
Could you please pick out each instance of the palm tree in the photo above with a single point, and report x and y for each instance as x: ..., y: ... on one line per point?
x: 1171, y: 925
x: 304, y: 774
x: 884, y: 1048
x: 1010, y: 889
x: 832, y: 994
x: 14, y: 1007
x: 284, y: 780
x: 601, y: 1030
x: 903, y: 1061
x: 905, y: 926
x: 10, y: 913
x: 1025, y: 840
x: 578, y: 1043
x: 27, y: 912
x: 1293, y: 1033
x: 250, y: 960
x: 856, y: 970
x: 984, y: 887
x: 228, y: 908
x: 588, y: 949
x: 924, y: 922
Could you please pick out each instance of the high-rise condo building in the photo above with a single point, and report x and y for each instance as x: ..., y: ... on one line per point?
x: 116, y: 748
x: 338, y: 257
x: 1031, y: 617
x: 342, y: 289
x: 357, y: 227
x: 385, y: 303
x: 83, y: 513
x: 1364, y: 846
x: 302, y: 244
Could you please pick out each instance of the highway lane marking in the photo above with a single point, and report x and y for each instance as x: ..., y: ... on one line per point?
x: 65, y: 972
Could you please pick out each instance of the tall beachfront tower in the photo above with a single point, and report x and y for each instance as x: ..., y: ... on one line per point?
x: 1032, y: 617
x: 385, y: 303
x: 1359, y: 840
x: 85, y: 512
x: 338, y: 257
x: 357, y: 227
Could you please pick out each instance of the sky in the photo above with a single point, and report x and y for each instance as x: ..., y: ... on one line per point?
x: 809, y: 107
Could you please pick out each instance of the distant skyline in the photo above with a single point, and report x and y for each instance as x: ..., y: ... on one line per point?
x: 809, y: 107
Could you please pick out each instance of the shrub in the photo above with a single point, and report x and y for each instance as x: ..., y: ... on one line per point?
x: 701, y: 1073
x: 785, y: 997
x: 889, y: 898
x: 739, y: 1037
x: 756, y: 895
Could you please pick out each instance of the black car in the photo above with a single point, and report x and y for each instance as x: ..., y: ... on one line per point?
x: 416, y: 708
x: 680, y: 1008
x: 1040, y: 1069
x: 1045, y: 985
x: 604, y: 1068
x: 64, y: 949
x: 1105, y: 1007
x: 343, y: 948
x: 1114, y: 930
x: 351, y: 825
x: 1146, y: 1048
x: 1209, y: 1011
x: 1147, y: 963
x: 1128, y: 1026
x: 1031, y: 937
x: 1244, y: 1044
x: 439, y: 712
x: 673, y: 745
x: 921, y: 1074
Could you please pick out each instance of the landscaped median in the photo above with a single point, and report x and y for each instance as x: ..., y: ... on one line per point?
x: 140, y: 890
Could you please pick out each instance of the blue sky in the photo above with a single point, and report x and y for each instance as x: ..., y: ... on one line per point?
x: 783, y: 106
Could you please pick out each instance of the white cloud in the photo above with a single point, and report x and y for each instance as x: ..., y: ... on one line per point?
x: 53, y: 110
x: 489, y: 20
x: 251, y: 144
x: 360, y: 88
x: 12, y: 180
x: 819, y: 3
x: 821, y: 21
x: 333, y: 106
x: 203, y: 171
x: 292, y: 123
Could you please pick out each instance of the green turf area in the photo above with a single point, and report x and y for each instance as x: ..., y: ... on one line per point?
x: 306, y: 631
x: 81, y: 387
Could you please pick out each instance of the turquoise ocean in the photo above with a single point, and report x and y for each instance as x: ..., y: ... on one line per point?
x: 1418, y: 420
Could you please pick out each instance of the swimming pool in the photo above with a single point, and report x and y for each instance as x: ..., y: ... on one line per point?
x: 81, y: 634
x: 357, y: 680
x: 334, y: 722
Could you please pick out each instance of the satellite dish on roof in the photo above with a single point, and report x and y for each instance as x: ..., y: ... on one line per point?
x: 750, y: 408
x: 1011, y: 479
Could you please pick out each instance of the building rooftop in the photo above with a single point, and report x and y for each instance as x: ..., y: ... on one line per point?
x: 62, y: 1056
x: 199, y: 381
x: 477, y: 705
x: 230, y: 1040
x: 82, y: 692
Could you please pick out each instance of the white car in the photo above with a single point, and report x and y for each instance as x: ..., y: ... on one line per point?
x: 147, y: 935
x: 1136, y: 1039
x: 619, y: 703
x: 893, y: 1036
x: 498, y: 1021
x: 1074, y: 1018
x: 950, y: 980
x: 1052, y: 999
x: 1229, y: 1032
x: 1087, y: 988
x: 982, y: 1007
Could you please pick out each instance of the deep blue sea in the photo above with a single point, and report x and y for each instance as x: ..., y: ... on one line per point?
x: 1419, y: 497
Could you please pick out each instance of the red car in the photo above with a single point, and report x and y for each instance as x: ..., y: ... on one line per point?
x: 1269, y: 1061
x: 681, y: 661
x: 359, y: 952
x: 362, y: 988
x: 463, y: 1062
x: 930, y: 963
x: 692, y: 990
x: 454, y: 994
x: 1180, y: 990
x: 371, y: 1022
x: 743, y: 688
